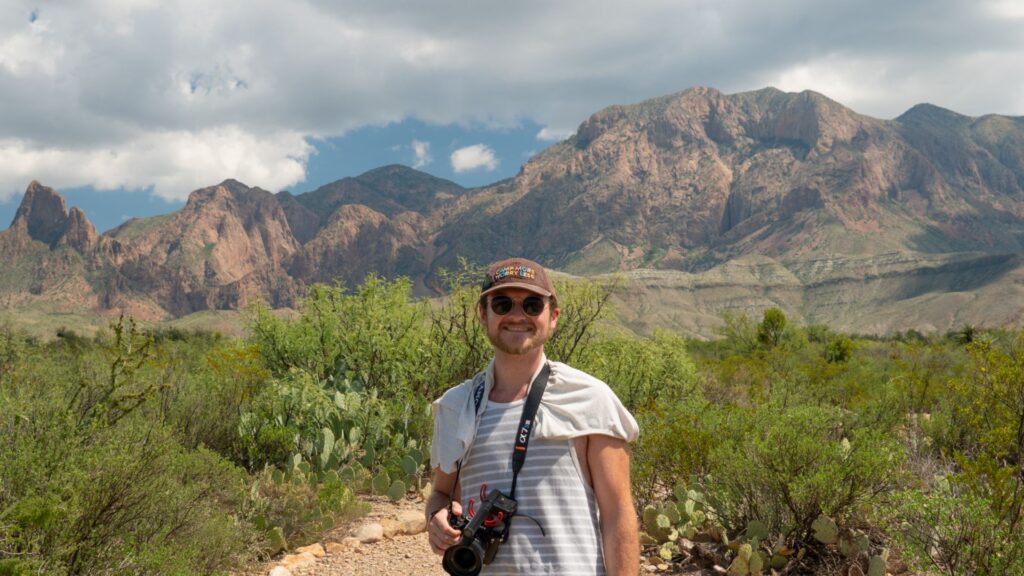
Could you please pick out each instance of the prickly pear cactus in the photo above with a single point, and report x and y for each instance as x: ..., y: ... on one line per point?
x: 397, y: 490
x: 381, y: 483
x: 825, y: 530
x: 275, y: 538
x: 876, y: 566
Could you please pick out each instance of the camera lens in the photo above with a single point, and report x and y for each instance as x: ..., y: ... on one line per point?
x: 463, y: 559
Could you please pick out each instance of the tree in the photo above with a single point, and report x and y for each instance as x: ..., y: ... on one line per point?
x: 769, y: 332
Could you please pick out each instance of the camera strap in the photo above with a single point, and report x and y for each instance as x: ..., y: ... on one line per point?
x: 525, y: 424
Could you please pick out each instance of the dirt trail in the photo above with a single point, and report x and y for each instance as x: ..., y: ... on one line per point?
x: 403, y: 555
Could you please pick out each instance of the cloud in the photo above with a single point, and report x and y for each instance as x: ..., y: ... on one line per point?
x: 421, y: 151
x: 473, y: 158
x: 548, y: 134
x: 95, y: 79
x: 171, y: 163
x: 31, y: 52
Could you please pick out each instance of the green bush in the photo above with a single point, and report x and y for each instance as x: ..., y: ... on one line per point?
x: 301, y: 509
x: 104, y: 499
x: 787, y: 466
x: 955, y: 532
x: 973, y: 521
x: 676, y: 441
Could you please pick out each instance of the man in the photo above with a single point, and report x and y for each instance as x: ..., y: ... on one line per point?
x: 574, y: 485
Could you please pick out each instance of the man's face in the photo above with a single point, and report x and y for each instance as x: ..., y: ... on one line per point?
x: 517, y: 332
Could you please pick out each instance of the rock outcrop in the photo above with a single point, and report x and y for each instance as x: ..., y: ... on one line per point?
x: 44, y: 217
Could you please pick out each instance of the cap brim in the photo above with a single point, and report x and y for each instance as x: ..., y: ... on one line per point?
x: 531, y: 287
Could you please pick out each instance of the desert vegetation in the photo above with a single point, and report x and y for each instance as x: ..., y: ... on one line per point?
x: 776, y: 446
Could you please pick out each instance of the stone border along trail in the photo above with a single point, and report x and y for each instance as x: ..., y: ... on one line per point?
x: 389, y: 541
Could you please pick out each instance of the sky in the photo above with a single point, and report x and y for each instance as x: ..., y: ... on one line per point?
x: 126, y: 106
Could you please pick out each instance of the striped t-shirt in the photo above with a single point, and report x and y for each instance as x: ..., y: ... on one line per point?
x: 549, y: 489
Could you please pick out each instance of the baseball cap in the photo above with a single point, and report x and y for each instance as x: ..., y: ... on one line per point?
x: 517, y: 273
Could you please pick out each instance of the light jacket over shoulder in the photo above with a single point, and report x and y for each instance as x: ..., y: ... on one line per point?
x: 574, y: 404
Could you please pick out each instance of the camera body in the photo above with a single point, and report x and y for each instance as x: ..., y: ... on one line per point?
x: 481, y: 535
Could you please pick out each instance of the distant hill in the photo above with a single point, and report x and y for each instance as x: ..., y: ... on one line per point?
x: 705, y: 201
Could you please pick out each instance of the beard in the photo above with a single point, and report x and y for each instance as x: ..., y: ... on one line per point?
x: 518, y: 342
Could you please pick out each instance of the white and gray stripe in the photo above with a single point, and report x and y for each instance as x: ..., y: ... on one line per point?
x: 549, y: 489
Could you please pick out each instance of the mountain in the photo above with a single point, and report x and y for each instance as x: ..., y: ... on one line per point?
x: 381, y: 221
x: 225, y: 248
x: 702, y: 200
x: 693, y: 180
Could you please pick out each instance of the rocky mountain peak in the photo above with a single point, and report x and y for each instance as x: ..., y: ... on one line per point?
x: 78, y: 233
x: 44, y: 216
x: 42, y: 213
x: 936, y: 116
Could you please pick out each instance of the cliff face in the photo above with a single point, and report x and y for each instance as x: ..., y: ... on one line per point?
x: 43, y: 216
x: 226, y: 247
x: 695, y: 179
x: 694, y: 183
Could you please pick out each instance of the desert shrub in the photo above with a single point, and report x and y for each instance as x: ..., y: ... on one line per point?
x: 376, y: 334
x: 787, y: 466
x: 838, y: 349
x: 771, y: 328
x: 955, y: 532
x: 676, y: 441
x: 97, y: 498
x: 213, y: 384
x: 457, y: 347
x: 583, y: 305
x: 973, y: 522
x: 642, y: 371
x: 301, y: 509
x: 738, y: 332
x: 13, y: 348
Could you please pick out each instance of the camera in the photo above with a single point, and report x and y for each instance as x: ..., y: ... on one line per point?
x: 481, y: 535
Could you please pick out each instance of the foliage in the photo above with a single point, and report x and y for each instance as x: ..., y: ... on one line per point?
x: 771, y: 328
x: 105, y: 495
x: 583, y: 305
x: 973, y: 521
x: 642, y: 371
x: 785, y: 467
x: 300, y: 509
x: 956, y: 532
x: 177, y: 452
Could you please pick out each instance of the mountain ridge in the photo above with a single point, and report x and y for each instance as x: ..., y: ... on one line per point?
x: 688, y: 182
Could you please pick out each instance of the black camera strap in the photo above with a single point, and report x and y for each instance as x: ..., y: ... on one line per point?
x: 525, y: 425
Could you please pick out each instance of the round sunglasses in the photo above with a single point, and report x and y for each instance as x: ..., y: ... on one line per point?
x: 532, y: 305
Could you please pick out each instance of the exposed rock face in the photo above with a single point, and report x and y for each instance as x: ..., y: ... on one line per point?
x: 44, y: 216
x: 222, y: 250
x: 694, y: 179
x: 358, y: 240
x: 699, y: 184
x: 42, y: 213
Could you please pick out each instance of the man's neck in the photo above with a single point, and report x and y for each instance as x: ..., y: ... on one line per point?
x: 512, y: 374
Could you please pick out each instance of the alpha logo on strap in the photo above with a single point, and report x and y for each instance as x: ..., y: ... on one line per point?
x: 524, y: 433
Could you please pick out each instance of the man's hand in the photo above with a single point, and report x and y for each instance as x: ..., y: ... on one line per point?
x: 608, y: 461
x: 442, y: 535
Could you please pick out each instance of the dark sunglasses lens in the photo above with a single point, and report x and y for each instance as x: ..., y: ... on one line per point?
x: 533, y: 306
x: 501, y: 305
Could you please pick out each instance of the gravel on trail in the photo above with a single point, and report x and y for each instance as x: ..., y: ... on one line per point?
x: 403, y: 555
